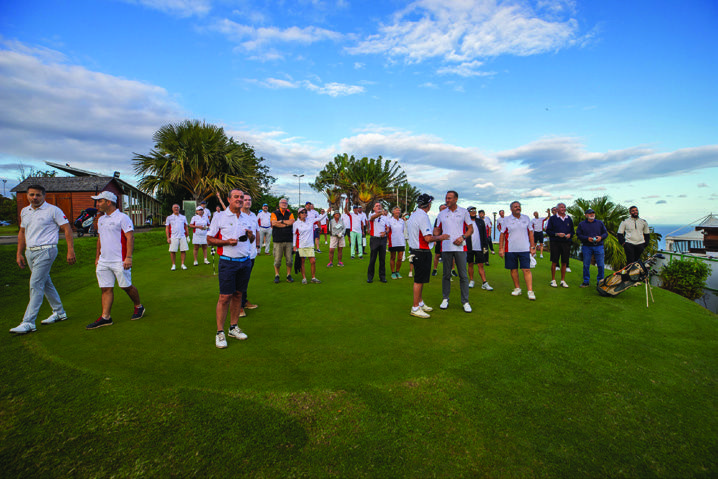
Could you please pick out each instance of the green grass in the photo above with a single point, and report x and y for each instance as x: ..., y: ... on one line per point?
x: 11, y: 230
x: 337, y: 379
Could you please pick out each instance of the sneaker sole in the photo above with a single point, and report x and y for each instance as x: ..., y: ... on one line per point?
x: 138, y: 317
x: 23, y: 332
x: 100, y: 326
x: 422, y: 316
x: 220, y: 346
x: 44, y: 321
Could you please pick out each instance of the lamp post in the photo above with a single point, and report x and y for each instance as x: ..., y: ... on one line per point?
x: 494, y: 225
x: 3, y: 186
x: 299, y: 188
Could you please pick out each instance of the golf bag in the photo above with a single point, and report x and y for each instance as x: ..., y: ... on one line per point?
x: 626, y: 277
x: 84, y: 222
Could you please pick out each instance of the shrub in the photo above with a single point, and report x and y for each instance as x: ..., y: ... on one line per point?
x: 686, y: 277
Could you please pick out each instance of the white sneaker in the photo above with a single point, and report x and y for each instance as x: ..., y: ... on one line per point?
x: 196, y: 263
x: 411, y: 274
x: 541, y: 256
x: 220, y: 341
x: 568, y: 270
x: 516, y: 292
x: 553, y: 284
x: 23, y: 328
x: 237, y: 333
x: 206, y: 262
x: 492, y: 252
x: 54, y: 318
x: 173, y: 268
x: 471, y: 284
x: 531, y: 295
x: 183, y: 266
x: 467, y: 308
x: 444, y: 304
x: 426, y: 309
x: 419, y: 313
x: 487, y: 287
x: 564, y: 284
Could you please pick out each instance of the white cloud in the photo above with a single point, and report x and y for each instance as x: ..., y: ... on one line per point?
x: 465, y: 69
x: 278, y: 83
x: 181, y: 8
x: 536, y: 193
x: 359, y: 66
x: 332, y: 89
x: 258, y: 39
x: 71, y: 114
x: 466, y: 30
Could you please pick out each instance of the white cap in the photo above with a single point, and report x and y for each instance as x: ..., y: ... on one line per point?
x: 106, y: 195
x: 199, y: 208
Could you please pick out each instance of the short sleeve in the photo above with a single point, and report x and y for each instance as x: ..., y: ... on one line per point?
x: 214, y: 226
x: 126, y: 224
x: 59, y: 217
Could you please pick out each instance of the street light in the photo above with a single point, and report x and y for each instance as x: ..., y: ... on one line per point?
x: 3, y: 186
x: 494, y: 225
x: 299, y: 188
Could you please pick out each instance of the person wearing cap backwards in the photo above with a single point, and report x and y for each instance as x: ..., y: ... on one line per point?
x: 477, y: 250
x: 303, y: 232
x: 200, y: 224
x: 38, y: 237
x: 264, y: 221
x: 591, y: 232
x: 113, y: 260
x: 420, y: 239
x: 337, y: 231
x: 232, y: 232
x: 177, y: 233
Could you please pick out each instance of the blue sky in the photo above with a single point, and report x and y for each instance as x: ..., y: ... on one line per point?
x: 540, y: 101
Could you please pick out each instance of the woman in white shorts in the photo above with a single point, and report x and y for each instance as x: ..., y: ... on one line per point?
x: 337, y: 230
x: 200, y: 225
x: 304, y: 243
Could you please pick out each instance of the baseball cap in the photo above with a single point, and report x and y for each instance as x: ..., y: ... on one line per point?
x: 424, y: 200
x: 106, y: 195
x: 471, y: 208
x: 590, y: 211
x: 199, y: 208
x: 265, y: 204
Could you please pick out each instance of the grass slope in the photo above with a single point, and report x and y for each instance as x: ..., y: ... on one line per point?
x: 337, y: 379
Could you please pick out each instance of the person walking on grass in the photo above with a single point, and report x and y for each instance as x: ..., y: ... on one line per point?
x: 177, y: 231
x: 337, y: 231
x: 537, y: 225
x: 633, y: 234
x: 37, y: 239
x: 377, y: 242
x: 489, y: 236
x: 477, y: 250
x: 437, y: 245
x: 591, y: 232
x: 303, y: 232
x: 396, y: 241
x: 282, y: 222
x: 264, y: 220
x: 456, y: 222
x: 113, y: 260
x: 231, y: 232
x: 560, y: 230
x: 420, y: 238
x: 199, y: 224
x: 516, y: 246
x: 253, y: 250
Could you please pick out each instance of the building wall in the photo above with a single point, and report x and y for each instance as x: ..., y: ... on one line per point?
x: 71, y: 203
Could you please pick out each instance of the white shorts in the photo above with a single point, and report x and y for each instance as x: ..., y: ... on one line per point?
x: 178, y: 244
x: 199, y: 239
x: 335, y: 241
x: 107, y: 272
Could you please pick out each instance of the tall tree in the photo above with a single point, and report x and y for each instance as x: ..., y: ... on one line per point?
x: 199, y: 159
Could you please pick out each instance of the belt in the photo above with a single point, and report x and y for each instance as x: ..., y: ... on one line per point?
x: 38, y: 248
x: 264, y: 226
x: 239, y: 260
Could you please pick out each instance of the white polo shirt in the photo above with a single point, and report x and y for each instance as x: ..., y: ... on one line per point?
x: 378, y: 226
x: 537, y: 224
x: 356, y: 222
x: 396, y: 232
x: 227, y: 225
x: 42, y: 224
x: 252, y: 218
x: 419, y: 225
x: 346, y: 219
x: 453, y: 223
x: 500, y: 223
x: 476, y: 237
x: 199, y: 222
x: 176, y: 223
x: 516, y: 234
x: 264, y: 219
x: 303, y: 234
x: 207, y: 214
x: 113, y: 242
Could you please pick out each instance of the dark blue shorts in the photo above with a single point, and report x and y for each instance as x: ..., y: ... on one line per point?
x: 317, y: 233
x: 517, y: 260
x: 233, y: 276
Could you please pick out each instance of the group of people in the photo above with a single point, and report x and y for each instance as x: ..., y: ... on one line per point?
x: 462, y: 237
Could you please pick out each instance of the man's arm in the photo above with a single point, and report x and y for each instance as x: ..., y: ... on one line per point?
x: 168, y: 231
x: 21, y: 248
x: 130, y: 237
x: 501, y: 245
x: 70, y: 244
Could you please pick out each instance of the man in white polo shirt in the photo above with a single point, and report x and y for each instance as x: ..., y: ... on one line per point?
x: 113, y: 260
x: 516, y: 246
x: 356, y: 226
x: 457, y: 223
x: 177, y: 232
x: 38, y: 237
x: 264, y: 221
x: 232, y: 233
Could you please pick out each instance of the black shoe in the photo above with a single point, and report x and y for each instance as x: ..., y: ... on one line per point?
x: 276, y: 279
x: 369, y: 280
x: 99, y: 323
x: 318, y: 250
x: 454, y: 273
x: 584, y: 285
x: 383, y: 280
x: 486, y: 264
x: 290, y: 279
x: 139, y: 312
x: 433, y: 273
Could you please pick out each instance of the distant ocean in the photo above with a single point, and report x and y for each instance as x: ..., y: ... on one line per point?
x: 667, y: 229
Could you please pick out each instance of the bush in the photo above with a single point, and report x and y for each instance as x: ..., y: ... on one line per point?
x: 686, y: 277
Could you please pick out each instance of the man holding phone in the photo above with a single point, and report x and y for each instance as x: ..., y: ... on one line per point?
x: 231, y: 232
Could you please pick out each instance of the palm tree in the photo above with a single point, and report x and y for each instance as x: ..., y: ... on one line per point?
x: 200, y: 159
x: 611, y: 214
